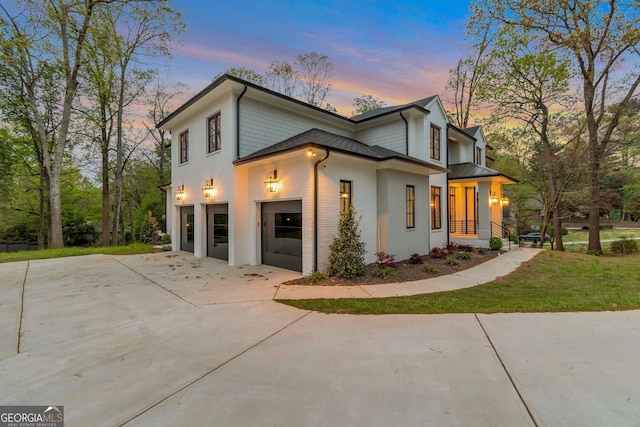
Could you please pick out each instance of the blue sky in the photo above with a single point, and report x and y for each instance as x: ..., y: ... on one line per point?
x: 396, y: 51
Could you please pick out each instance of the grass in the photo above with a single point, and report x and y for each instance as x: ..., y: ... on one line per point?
x: 612, y: 234
x: 550, y: 282
x: 132, y: 249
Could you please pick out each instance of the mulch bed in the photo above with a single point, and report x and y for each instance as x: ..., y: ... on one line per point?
x: 405, y: 272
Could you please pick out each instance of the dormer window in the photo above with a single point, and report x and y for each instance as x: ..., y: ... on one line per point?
x: 478, y: 156
x: 435, y: 143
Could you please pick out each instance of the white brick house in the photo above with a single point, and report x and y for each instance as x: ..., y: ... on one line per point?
x: 281, y: 170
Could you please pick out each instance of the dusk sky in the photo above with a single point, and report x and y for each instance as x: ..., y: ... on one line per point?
x: 396, y: 51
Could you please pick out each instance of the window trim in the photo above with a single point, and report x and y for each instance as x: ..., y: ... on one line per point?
x: 217, y: 145
x: 434, y: 148
x: 436, y: 207
x: 183, y: 139
x: 410, y: 206
x: 349, y: 184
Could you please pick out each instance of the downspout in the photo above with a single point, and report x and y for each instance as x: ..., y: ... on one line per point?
x: 448, y: 189
x: 315, y: 209
x: 406, y: 134
x: 238, y: 121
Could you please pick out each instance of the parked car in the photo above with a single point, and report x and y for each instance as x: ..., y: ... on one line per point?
x: 533, y: 237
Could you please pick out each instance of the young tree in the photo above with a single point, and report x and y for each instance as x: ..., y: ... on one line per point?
x: 314, y: 72
x: 366, y: 103
x: 347, y: 249
x: 599, y: 35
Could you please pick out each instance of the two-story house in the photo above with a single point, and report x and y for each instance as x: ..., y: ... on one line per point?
x: 261, y: 178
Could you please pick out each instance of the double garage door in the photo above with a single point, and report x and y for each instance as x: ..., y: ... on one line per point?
x: 281, y: 234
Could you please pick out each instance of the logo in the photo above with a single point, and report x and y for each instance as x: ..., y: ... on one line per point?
x: 32, y: 416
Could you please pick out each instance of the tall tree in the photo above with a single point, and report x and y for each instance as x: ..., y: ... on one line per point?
x: 282, y: 77
x: 314, y: 72
x: 246, y: 74
x: 599, y: 35
x: 51, y: 33
x: 366, y: 103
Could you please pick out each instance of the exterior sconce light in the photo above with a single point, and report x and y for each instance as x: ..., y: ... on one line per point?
x: 493, y: 199
x: 180, y: 193
x: 272, y: 182
x: 311, y: 153
x: 504, y: 201
x: 208, y: 189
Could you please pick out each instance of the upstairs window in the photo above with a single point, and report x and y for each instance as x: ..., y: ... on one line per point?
x: 184, y: 146
x: 411, y: 206
x: 435, y: 143
x: 213, y: 133
x: 478, y: 156
x: 436, y: 220
x: 345, y: 196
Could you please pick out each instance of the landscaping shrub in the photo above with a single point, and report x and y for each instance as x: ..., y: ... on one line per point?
x: 149, y: 229
x: 428, y: 268
x: 165, y: 239
x: 452, y: 262
x: 386, y: 260
x: 465, y: 248
x: 439, y: 253
x: 513, y: 237
x: 415, y: 259
x: 452, y: 247
x: 495, y: 243
x: 346, y: 258
x: 316, y: 277
x: 624, y: 245
x: 464, y: 255
x: 481, y: 251
x: 384, y: 272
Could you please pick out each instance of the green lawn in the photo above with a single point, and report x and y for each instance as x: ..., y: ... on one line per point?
x: 135, y: 248
x: 583, y: 235
x: 552, y: 281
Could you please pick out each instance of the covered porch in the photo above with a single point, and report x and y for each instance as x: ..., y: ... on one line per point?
x: 476, y: 202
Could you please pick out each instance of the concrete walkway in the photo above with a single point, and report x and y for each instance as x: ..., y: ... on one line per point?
x: 172, y: 340
x: 502, y: 265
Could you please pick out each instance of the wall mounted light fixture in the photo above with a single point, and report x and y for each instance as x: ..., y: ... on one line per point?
x: 504, y: 201
x: 311, y: 153
x: 208, y: 189
x: 180, y: 193
x: 493, y: 199
x: 272, y: 182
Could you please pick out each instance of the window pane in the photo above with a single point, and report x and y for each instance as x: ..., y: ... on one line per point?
x: 214, y: 133
x: 345, y: 195
x: 411, y: 205
x: 184, y: 147
x: 436, y: 222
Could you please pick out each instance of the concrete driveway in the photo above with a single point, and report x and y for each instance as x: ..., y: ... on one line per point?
x: 172, y: 340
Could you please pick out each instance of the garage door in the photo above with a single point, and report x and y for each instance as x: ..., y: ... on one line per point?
x: 282, y: 234
x: 218, y: 231
x: 187, y: 232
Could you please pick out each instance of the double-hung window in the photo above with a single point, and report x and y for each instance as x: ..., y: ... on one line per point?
x: 436, y: 219
x: 345, y: 196
x: 184, y: 146
x: 478, y: 156
x: 411, y: 206
x: 213, y: 133
x: 434, y: 143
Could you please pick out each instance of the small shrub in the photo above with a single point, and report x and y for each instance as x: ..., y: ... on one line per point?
x: 452, y: 262
x: 149, y: 229
x: 565, y: 231
x: 415, y: 259
x: 346, y: 258
x: 624, y: 245
x: 513, y: 237
x: 165, y: 239
x: 386, y: 260
x: 384, y: 272
x: 428, y: 268
x: 452, y: 247
x: 441, y: 253
x: 316, y: 277
x: 465, y: 248
x: 481, y: 251
x: 464, y: 255
x: 495, y: 243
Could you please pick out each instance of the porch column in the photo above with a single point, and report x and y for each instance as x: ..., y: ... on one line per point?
x: 484, y: 211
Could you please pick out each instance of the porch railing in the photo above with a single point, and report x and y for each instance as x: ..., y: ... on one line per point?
x: 501, y: 230
x: 463, y: 227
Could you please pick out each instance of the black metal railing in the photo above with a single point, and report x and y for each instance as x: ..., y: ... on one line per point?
x: 463, y: 227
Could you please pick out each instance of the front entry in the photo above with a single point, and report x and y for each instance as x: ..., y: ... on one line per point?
x: 218, y: 231
x: 187, y: 232
x: 282, y: 234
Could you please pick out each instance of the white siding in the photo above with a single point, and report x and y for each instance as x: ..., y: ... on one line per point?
x: 390, y: 135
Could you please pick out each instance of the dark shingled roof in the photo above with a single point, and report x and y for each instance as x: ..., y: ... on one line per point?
x: 472, y: 170
x: 422, y: 104
x: 323, y: 139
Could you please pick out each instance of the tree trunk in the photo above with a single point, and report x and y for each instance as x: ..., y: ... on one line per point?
x: 557, y: 229
x: 106, y: 241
